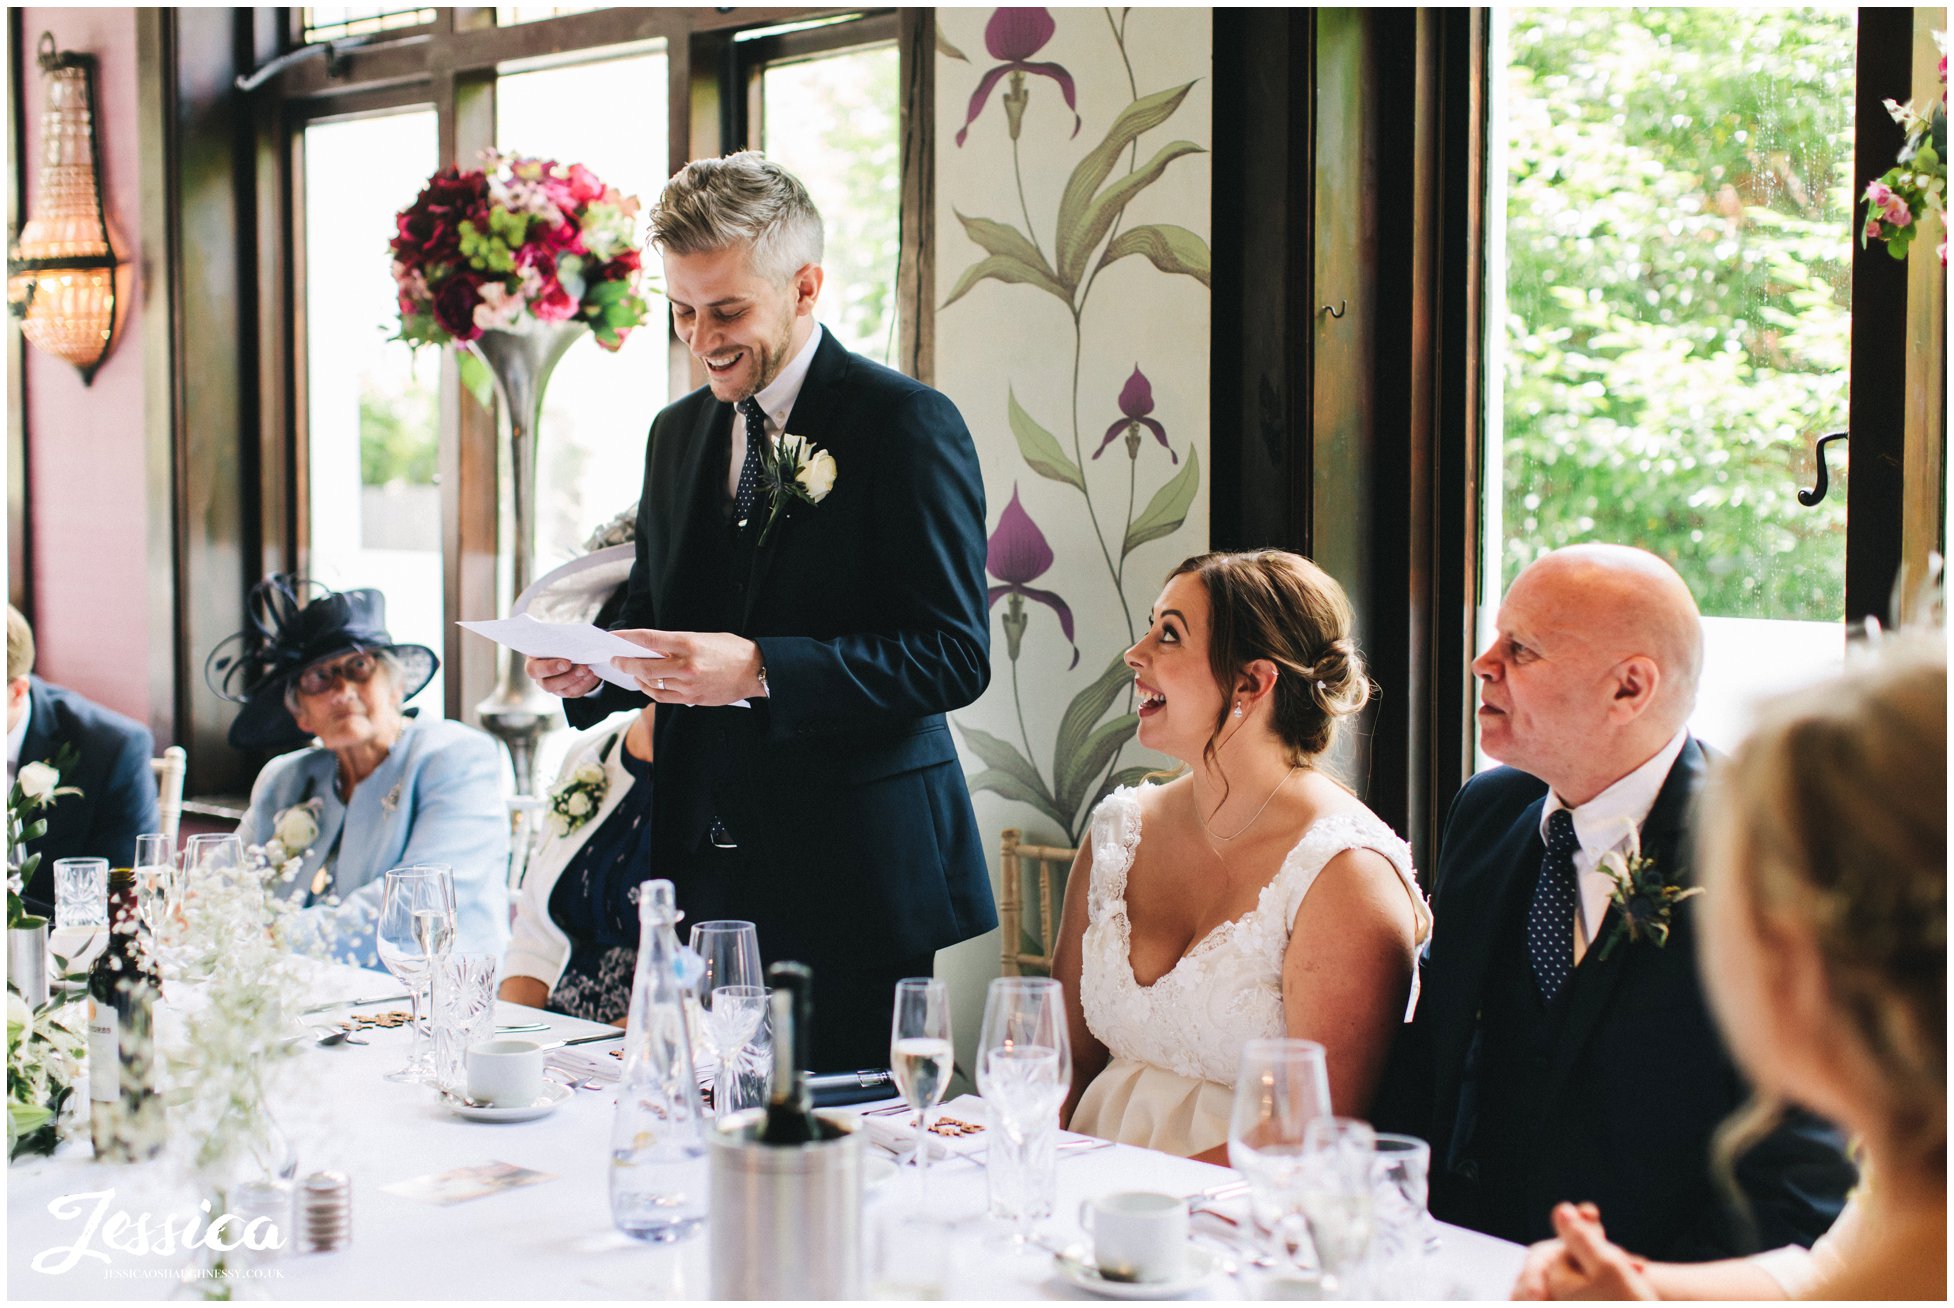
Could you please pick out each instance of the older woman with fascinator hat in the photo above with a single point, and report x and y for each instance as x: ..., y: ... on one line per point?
x: 367, y: 786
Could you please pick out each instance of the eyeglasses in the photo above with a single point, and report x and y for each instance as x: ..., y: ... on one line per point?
x: 322, y: 677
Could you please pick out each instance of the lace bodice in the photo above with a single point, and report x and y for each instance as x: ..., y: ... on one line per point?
x: 1227, y: 989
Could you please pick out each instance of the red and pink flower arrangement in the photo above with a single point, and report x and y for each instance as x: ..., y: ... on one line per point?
x: 521, y: 238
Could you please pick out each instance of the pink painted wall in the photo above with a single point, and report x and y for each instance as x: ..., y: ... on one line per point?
x: 86, y: 462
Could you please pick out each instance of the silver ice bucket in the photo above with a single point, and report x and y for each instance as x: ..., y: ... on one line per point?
x: 786, y: 1220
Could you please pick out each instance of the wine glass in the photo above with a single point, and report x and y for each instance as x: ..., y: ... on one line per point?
x: 1024, y: 1068
x: 921, y: 1057
x: 732, y: 1019
x: 415, y: 932
x: 1402, y: 1219
x: 731, y: 954
x: 1282, y: 1086
x: 1337, y: 1197
x: 205, y: 859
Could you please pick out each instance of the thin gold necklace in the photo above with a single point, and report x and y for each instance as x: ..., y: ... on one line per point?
x: 1258, y: 812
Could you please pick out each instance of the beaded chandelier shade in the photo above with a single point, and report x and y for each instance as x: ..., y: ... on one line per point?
x: 61, y: 269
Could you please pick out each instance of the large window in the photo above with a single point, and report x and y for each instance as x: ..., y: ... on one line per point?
x: 599, y: 406
x: 1668, y: 322
x: 832, y: 121
x: 372, y: 422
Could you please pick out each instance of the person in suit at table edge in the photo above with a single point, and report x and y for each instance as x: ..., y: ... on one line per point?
x: 851, y: 617
x: 117, y: 802
x: 1552, y: 1058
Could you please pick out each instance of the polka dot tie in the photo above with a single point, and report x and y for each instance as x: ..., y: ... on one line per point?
x: 749, y: 485
x: 1550, y: 921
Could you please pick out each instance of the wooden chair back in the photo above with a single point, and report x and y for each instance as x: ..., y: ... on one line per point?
x: 1029, y: 945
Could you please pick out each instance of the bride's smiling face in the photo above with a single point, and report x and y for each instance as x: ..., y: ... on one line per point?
x: 1179, y: 702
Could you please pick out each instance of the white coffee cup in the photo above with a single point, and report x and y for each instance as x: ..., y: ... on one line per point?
x: 1137, y: 1235
x: 505, y: 1073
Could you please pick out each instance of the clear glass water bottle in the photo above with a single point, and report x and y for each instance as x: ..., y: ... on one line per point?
x: 658, y: 1142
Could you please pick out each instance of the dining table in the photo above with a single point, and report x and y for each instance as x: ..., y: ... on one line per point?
x: 76, y: 1226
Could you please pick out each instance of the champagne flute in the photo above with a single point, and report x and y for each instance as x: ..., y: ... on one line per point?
x: 1337, y: 1199
x: 921, y: 1057
x: 731, y: 954
x: 155, y: 867
x: 1024, y: 1068
x: 1282, y: 1087
x: 416, y: 930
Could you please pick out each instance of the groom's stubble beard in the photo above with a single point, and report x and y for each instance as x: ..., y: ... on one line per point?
x: 772, y: 356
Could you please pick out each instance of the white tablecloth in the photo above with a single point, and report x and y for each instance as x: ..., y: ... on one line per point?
x: 550, y: 1241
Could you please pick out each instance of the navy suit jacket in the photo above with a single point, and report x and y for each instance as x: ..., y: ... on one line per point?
x: 1639, y: 1079
x: 117, y: 802
x: 858, y: 846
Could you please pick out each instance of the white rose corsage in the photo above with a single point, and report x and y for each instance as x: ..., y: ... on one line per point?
x: 799, y: 470
x: 294, y: 830
x: 581, y: 794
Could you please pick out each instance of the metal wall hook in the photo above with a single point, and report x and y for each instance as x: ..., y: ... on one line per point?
x: 1338, y: 311
x: 1811, y: 497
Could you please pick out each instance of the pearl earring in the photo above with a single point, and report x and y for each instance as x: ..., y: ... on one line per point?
x: 1238, y: 708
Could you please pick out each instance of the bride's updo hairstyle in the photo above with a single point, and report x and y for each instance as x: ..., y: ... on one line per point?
x: 1274, y: 605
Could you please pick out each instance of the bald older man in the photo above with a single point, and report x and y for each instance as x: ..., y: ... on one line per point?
x: 1554, y: 1057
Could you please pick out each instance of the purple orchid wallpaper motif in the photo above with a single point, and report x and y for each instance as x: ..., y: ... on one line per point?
x: 1063, y: 774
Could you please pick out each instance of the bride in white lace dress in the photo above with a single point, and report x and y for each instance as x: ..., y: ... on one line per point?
x: 1264, y: 899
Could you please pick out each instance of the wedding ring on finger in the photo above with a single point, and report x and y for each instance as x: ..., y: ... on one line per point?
x: 661, y: 683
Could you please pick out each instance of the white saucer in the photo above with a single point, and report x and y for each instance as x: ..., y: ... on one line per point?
x: 554, y: 1093
x: 1076, y: 1266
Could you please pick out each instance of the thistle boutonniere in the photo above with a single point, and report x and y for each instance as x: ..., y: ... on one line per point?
x: 1644, y: 899
x: 577, y: 799
x: 798, y: 470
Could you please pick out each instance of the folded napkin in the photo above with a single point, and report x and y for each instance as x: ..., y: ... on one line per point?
x: 599, y: 1065
x: 958, y: 1129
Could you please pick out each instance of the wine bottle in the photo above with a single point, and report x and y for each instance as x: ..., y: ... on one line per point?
x: 790, y: 1105
x: 125, y: 1112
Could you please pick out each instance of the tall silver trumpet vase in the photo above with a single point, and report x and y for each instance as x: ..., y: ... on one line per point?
x: 517, y: 712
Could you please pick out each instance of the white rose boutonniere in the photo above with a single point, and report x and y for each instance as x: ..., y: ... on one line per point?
x: 577, y: 800
x: 799, y: 470
x: 38, y: 781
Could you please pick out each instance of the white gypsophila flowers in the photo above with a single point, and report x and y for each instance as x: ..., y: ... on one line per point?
x: 236, y: 933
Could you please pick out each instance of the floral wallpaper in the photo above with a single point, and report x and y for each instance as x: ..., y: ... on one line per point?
x: 1072, y: 331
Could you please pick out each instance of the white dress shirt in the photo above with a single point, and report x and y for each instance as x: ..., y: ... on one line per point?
x: 776, y: 405
x: 1605, y: 823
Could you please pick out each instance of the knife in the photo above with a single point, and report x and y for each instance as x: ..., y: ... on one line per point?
x: 353, y: 1003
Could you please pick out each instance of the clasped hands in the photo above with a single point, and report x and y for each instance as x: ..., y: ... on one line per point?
x: 698, y: 668
x: 1581, y: 1263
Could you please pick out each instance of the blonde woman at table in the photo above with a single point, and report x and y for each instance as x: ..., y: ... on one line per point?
x: 575, y: 944
x: 1264, y: 899
x: 1825, y: 952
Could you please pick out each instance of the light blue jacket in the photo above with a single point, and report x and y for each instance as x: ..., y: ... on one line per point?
x: 436, y: 798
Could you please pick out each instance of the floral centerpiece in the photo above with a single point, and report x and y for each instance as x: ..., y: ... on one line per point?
x: 520, y: 239
x: 45, y: 1039
x: 1916, y: 185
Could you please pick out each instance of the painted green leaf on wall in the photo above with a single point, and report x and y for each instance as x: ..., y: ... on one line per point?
x: 1169, y: 248
x: 1105, y: 210
x: 1085, y: 766
x: 1075, y: 729
x: 1143, y: 115
x: 1010, y: 774
x: 1012, y: 258
x: 1168, y: 508
x: 1040, y: 448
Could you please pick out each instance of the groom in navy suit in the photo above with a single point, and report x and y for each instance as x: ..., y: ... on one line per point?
x: 1553, y: 1058
x: 810, y: 541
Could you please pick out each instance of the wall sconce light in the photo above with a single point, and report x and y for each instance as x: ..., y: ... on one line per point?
x: 61, y: 268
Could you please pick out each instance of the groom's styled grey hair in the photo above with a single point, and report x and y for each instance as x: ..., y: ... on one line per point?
x: 741, y: 199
